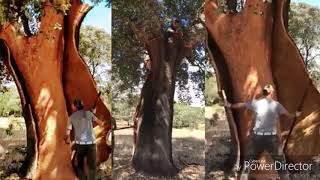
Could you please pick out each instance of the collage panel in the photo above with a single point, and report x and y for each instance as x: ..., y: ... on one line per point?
x: 265, y: 71
x: 158, y: 67
x: 55, y: 62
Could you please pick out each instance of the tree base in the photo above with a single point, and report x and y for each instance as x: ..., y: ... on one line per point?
x: 154, y: 166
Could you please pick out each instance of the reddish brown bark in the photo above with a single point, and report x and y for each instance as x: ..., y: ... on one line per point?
x: 84, y: 87
x: 294, y: 89
x: 48, y: 69
x: 256, y: 49
x: 28, y: 168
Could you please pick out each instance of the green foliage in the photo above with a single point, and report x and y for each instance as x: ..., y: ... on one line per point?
x: 95, y: 49
x: 186, y: 116
x: 106, y: 94
x: 9, y: 130
x: 211, y: 90
x: 4, y: 77
x: 12, y: 10
x: 123, y: 109
x: 10, y: 103
x: 304, y: 28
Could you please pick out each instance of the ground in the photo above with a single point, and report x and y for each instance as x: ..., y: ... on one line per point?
x: 217, y: 150
x: 13, y: 150
x: 187, y: 146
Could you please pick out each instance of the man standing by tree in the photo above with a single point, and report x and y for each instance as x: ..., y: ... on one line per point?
x: 81, y: 122
x: 264, y: 132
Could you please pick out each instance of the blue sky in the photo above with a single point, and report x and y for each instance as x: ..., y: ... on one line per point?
x: 313, y: 2
x: 99, y: 16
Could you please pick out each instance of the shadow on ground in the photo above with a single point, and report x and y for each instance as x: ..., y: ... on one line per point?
x: 13, y: 152
x: 219, y: 161
x: 185, y: 149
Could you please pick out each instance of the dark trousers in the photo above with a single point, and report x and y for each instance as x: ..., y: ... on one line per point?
x: 257, y: 145
x: 88, y: 151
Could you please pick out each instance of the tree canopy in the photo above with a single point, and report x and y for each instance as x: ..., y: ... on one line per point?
x: 4, y: 77
x: 304, y: 28
x: 135, y: 22
x: 26, y: 15
x: 95, y: 49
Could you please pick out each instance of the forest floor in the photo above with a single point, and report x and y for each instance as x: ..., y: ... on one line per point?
x: 13, y: 150
x: 187, y: 146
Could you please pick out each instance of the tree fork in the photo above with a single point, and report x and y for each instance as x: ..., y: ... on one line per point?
x: 38, y: 59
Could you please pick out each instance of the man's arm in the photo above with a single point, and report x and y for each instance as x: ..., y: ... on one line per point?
x: 291, y: 115
x: 67, y: 135
x: 98, y: 121
x: 235, y: 106
x: 171, y: 30
x: 283, y: 111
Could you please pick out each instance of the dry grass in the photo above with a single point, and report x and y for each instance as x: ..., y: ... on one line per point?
x: 218, y: 143
x: 187, y: 144
x: 13, y: 151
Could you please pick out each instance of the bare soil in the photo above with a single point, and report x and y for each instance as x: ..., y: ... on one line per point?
x: 13, y: 151
x: 218, y: 155
x: 188, y: 146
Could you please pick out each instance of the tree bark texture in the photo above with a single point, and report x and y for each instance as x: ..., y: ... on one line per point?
x: 153, y: 150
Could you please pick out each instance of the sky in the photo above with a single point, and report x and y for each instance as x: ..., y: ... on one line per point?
x: 312, y: 2
x: 99, y: 16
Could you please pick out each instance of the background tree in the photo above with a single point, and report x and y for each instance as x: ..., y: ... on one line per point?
x: 138, y: 33
x: 188, y: 117
x: 4, y: 77
x: 304, y: 28
x: 10, y: 103
x: 38, y: 42
x: 95, y: 49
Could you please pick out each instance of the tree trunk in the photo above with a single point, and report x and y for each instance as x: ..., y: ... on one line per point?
x: 28, y: 168
x: 153, y: 151
x: 40, y: 66
x: 294, y: 90
x: 257, y: 50
x: 85, y: 87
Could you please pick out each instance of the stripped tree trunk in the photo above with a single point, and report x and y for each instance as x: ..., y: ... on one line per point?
x: 41, y: 69
x: 255, y: 49
x: 153, y: 151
